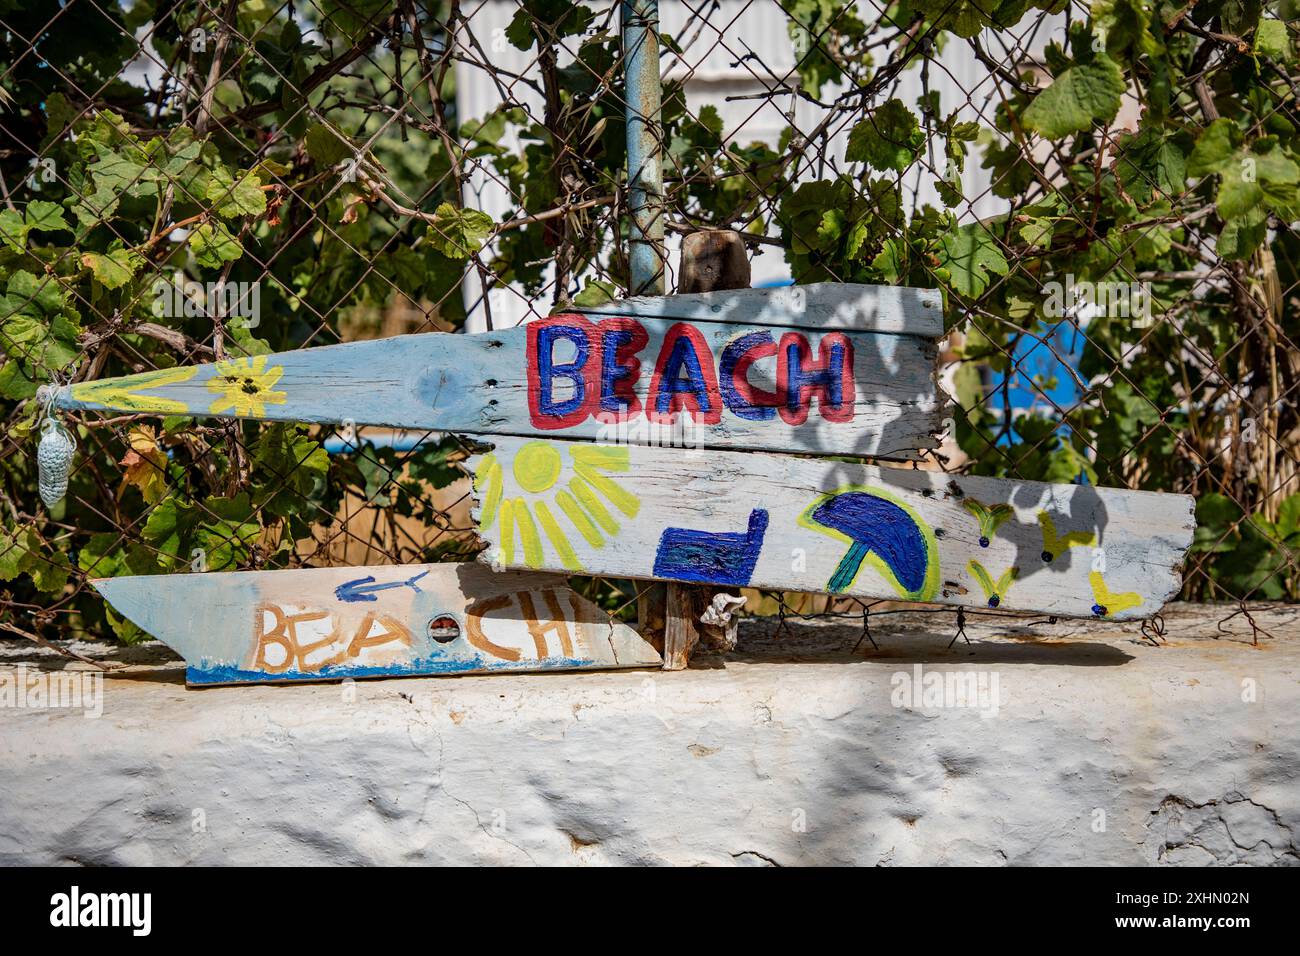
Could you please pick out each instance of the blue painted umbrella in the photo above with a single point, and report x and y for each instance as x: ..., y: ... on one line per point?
x: 874, y: 525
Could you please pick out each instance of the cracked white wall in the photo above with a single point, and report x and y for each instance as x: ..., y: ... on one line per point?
x: 789, y: 751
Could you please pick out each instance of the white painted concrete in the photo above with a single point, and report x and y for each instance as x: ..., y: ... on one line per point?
x: 788, y: 750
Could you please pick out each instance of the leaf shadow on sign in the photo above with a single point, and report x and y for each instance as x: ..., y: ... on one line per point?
x: 894, y: 371
x: 1074, y: 531
x: 1083, y: 514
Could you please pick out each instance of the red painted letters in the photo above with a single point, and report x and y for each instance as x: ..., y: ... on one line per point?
x: 578, y: 369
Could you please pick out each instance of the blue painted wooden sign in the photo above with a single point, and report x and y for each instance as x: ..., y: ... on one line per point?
x: 774, y: 369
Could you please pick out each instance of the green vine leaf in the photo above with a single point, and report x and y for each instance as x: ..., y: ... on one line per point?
x: 214, y: 245
x: 113, y: 269
x: 888, y: 139
x: 1081, y: 96
x: 972, y: 256
x: 459, y: 233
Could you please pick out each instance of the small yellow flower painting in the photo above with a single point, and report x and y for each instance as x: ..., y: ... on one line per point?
x: 244, y: 386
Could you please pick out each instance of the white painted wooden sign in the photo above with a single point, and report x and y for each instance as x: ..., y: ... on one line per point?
x: 579, y: 408
x: 334, y: 623
x: 787, y: 523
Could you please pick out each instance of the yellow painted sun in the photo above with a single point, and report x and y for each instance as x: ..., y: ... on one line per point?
x: 547, y: 505
x: 245, y: 385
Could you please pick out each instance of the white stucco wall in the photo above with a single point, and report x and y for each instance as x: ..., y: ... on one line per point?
x: 790, y: 751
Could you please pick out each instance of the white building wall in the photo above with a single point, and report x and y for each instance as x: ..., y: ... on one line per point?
x: 737, y: 48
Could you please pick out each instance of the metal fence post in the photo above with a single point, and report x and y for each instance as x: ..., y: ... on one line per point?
x: 645, y: 200
x: 645, y: 181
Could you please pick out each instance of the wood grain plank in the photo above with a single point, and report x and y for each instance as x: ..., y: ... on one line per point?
x: 641, y: 380
x: 901, y: 310
x: 799, y: 524
x: 392, y: 621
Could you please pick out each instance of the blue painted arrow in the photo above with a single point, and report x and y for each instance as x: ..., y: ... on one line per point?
x: 364, y: 589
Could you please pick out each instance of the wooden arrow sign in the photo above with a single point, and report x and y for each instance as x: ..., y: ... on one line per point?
x: 753, y: 370
x: 334, y: 623
x: 763, y: 369
x: 799, y: 524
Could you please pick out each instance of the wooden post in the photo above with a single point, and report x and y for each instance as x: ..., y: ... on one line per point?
x: 712, y: 260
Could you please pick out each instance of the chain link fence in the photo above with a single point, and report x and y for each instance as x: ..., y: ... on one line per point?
x: 1105, y: 193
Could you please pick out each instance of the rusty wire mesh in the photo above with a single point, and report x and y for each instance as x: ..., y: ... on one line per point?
x: 368, y: 169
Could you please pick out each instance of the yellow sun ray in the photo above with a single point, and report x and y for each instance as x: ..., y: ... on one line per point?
x: 557, y: 538
x: 573, y: 511
x: 624, y: 501
x: 535, y: 513
x: 528, y: 536
x: 587, y: 495
x: 606, y: 457
x: 488, y: 475
x: 507, y: 532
